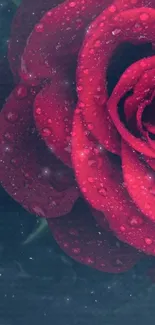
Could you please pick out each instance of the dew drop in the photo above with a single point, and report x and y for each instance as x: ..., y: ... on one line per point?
x: 85, y: 71
x: 76, y: 250
x: 45, y: 172
x: 12, y: 117
x: 89, y: 260
x: 6, y: 148
x: 21, y: 92
x: 27, y: 175
x: 65, y: 244
x: 79, y: 88
x: 116, y: 31
x: 91, y: 51
x: 9, y: 136
x: 90, y: 179
x: 39, y: 28
x: 46, y: 132
x: 122, y: 228
x: 135, y: 221
x: 72, y: 4
x: 148, y: 241
x: 54, y: 204
x: 49, y: 121
x: 49, y: 13
x: 38, y: 110
x: 144, y: 16
x: 90, y: 126
x: 112, y: 8
x: 102, y: 191
x: 73, y: 232
x: 97, y: 43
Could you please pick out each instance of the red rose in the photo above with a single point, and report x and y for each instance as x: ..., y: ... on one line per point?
x: 54, y: 124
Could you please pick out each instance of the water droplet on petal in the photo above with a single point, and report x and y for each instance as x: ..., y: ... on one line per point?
x: 102, y: 191
x: 45, y: 173
x: 49, y: 13
x: 135, y: 221
x: 89, y: 260
x: 85, y: 71
x: 76, y: 250
x: 116, y: 31
x: 122, y: 228
x: 112, y: 8
x: 79, y: 88
x: 144, y: 16
x: 21, y: 92
x: 46, y: 132
x: 9, y: 136
x: 39, y: 28
x: 72, y: 4
x: 65, y: 244
x: 148, y: 241
x: 73, y: 232
x: 90, y: 179
x: 97, y: 43
x: 38, y: 110
x: 12, y: 117
x: 90, y: 126
x: 6, y: 148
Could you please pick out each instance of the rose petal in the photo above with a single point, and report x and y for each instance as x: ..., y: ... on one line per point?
x: 27, y: 15
x: 94, y: 59
x: 101, y: 183
x: 64, y: 27
x: 82, y: 239
x: 139, y: 181
x: 54, y: 114
x: 28, y: 170
x: 140, y: 77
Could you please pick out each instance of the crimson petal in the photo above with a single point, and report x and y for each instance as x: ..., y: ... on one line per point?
x: 28, y: 170
x: 139, y: 76
x: 95, y: 55
x: 139, y: 180
x: 101, y: 183
x: 58, y: 34
x: 27, y: 15
x: 54, y: 114
x: 82, y: 239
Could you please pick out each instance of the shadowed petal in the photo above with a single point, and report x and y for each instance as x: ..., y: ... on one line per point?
x: 82, y: 239
x: 30, y: 172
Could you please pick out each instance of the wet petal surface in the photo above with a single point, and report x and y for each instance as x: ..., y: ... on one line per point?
x: 28, y: 170
x: 81, y: 238
x: 101, y: 182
